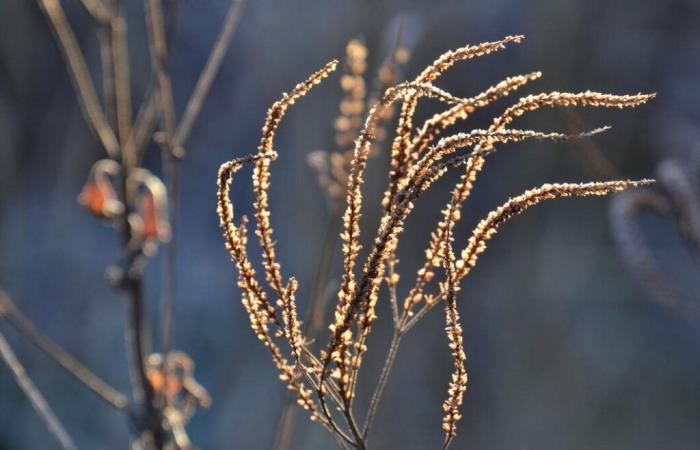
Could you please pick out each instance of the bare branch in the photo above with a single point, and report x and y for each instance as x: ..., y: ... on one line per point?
x: 98, y: 10
x: 206, y: 78
x: 38, y: 401
x: 15, y: 318
x: 122, y: 83
x: 84, y: 85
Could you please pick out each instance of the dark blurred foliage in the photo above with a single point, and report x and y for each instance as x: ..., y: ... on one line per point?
x: 564, y: 350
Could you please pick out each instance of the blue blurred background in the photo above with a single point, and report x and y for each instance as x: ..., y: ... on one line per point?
x: 564, y: 349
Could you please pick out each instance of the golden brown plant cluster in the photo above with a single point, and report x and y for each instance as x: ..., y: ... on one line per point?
x: 326, y: 383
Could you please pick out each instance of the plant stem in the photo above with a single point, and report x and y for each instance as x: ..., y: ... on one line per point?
x: 139, y: 349
x: 110, y: 395
x: 38, y: 401
x: 84, y: 85
x: 352, y: 424
x: 312, y: 323
x: 211, y: 68
x: 383, y: 377
x: 283, y: 436
x: 314, y: 312
x: 159, y: 60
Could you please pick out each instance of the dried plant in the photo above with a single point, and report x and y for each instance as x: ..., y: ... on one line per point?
x: 677, y: 200
x: 325, y: 383
x: 333, y: 167
x: 126, y: 195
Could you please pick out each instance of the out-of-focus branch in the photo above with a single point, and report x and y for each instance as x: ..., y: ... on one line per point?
x: 206, y: 78
x: 98, y: 10
x: 14, y: 317
x: 38, y: 401
x: 174, y: 135
x: 84, y: 85
x: 159, y: 59
x: 146, y: 120
x: 122, y: 83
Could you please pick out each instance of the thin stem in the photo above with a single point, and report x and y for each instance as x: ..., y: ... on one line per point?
x: 409, y: 322
x: 168, y: 302
x: 333, y: 388
x: 98, y: 10
x: 285, y: 425
x: 122, y: 84
x: 283, y: 437
x: 159, y: 59
x: 15, y: 318
x: 383, y: 377
x: 312, y: 323
x: 108, y: 89
x: 334, y: 428
x: 145, y: 123
x: 314, y: 312
x: 394, y: 299
x: 447, y: 443
x: 342, y: 444
x: 206, y: 78
x: 38, y: 401
x: 84, y: 85
x: 139, y: 349
x: 354, y: 429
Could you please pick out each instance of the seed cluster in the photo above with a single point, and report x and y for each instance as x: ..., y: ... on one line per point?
x: 419, y: 155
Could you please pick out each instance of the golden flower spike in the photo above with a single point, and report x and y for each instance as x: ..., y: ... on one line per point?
x: 326, y: 384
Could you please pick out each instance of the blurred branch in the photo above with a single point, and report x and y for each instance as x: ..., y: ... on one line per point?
x: 15, y: 318
x: 108, y: 93
x: 138, y: 346
x: 98, y: 10
x: 211, y: 68
x: 145, y: 123
x: 38, y: 401
x: 125, y: 141
x: 383, y: 378
x: 159, y: 59
x: 81, y: 77
x: 122, y: 84
x: 636, y: 251
x: 174, y: 135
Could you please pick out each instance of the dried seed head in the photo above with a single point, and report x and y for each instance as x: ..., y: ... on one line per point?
x: 261, y: 173
x: 488, y: 227
x: 415, y: 166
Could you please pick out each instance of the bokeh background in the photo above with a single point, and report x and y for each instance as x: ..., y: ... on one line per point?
x: 565, y: 350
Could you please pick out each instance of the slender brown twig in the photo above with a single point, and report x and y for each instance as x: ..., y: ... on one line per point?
x: 139, y: 348
x: 159, y: 59
x: 84, y: 85
x: 14, y: 317
x: 35, y: 397
x: 120, y: 66
x: 177, y: 141
x: 108, y: 88
x: 211, y: 69
x: 98, y: 11
x: 381, y: 384
x: 127, y: 195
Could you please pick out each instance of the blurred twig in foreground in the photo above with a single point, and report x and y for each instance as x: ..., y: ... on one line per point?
x: 122, y: 193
